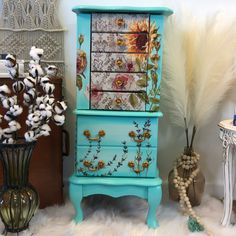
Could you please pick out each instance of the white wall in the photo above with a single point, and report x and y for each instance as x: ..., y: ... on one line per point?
x: 171, y: 138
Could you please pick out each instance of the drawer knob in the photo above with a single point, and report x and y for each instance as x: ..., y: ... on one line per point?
x: 120, y: 42
x: 100, y: 134
x: 141, y: 137
x: 119, y: 63
x: 120, y: 22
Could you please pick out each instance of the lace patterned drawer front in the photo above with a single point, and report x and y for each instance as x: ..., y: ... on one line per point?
x: 120, y: 42
x: 103, y: 22
x: 118, y: 62
x: 113, y: 131
x: 117, y: 101
x: 118, y: 81
x: 123, y: 161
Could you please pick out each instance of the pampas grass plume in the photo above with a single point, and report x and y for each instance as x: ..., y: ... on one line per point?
x: 198, y: 67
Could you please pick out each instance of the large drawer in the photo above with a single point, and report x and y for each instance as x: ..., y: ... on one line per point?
x: 105, y: 22
x: 118, y: 62
x: 114, y: 130
x: 123, y: 161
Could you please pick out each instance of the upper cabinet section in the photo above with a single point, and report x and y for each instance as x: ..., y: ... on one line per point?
x: 119, y: 57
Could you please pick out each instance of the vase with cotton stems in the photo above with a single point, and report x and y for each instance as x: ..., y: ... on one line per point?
x: 198, y: 71
x: 31, y: 99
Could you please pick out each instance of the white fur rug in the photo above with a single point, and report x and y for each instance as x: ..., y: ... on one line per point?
x: 124, y: 217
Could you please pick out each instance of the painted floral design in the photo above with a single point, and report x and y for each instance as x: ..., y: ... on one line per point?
x: 147, y: 40
x: 141, y: 136
x: 144, y: 39
x: 81, y: 63
x: 117, y: 81
x: 139, y: 41
x: 122, y: 81
x: 95, y: 94
x: 142, y: 44
x: 117, y: 62
x: 90, y: 164
x: 107, y: 22
x: 104, y: 100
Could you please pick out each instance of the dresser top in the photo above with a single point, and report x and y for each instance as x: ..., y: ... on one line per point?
x: 124, y: 9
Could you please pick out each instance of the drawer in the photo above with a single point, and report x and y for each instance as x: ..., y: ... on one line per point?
x: 119, y: 81
x: 118, y: 62
x: 123, y: 161
x: 114, y: 130
x: 117, y: 101
x: 120, y: 42
x: 105, y: 22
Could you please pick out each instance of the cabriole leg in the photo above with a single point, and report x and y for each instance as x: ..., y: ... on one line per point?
x: 154, y: 199
x: 76, y: 196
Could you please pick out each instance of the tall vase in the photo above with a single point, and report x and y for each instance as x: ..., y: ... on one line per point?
x: 18, y: 198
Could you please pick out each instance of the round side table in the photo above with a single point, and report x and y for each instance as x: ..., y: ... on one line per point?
x: 228, y: 137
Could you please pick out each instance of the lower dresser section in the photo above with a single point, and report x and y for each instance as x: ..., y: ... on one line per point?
x: 123, y: 161
x: 117, y: 144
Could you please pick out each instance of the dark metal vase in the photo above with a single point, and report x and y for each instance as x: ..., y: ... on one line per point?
x: 18, y: 198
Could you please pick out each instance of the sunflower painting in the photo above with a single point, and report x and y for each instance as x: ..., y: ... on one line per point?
x: 144, y: 38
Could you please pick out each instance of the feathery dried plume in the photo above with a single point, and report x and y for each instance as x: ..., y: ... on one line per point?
x: 198, y: 69
x: 215, y: 70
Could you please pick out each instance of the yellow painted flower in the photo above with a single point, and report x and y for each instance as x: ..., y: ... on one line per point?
x: 143, y: 39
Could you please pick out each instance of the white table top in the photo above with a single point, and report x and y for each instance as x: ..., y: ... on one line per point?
x: 227, y: 124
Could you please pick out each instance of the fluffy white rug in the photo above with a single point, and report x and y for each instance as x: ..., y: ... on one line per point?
x: 124, y: 217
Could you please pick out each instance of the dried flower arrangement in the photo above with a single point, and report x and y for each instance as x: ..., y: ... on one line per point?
x: 38, y: 100
x: 198, y: 71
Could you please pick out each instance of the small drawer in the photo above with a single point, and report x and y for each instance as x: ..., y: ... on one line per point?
x: 113, y: 131
x: 105, y: 22
x: 119, y: 81
x: 120, y: 42
x: 117, y: 101
x: 118, y: 62
x: 123, y: 161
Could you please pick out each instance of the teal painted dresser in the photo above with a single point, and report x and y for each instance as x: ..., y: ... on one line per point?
x: 119, y: 64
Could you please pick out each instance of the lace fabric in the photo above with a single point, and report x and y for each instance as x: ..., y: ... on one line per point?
x: 29, y: 14
x: 24, y: 23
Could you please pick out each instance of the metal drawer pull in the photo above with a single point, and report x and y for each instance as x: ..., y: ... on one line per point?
x: 120, y: 42
x: 100, y: 134
x: 120, y: 22
x: 90, y: 167
x: 138, y: 168
x: 140, y: 138
x: 119, y: 62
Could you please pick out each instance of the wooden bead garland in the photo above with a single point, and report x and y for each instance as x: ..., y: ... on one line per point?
x: 189, y: 163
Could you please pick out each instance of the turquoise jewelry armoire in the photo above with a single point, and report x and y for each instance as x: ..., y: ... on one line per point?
x: 119, y: 64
